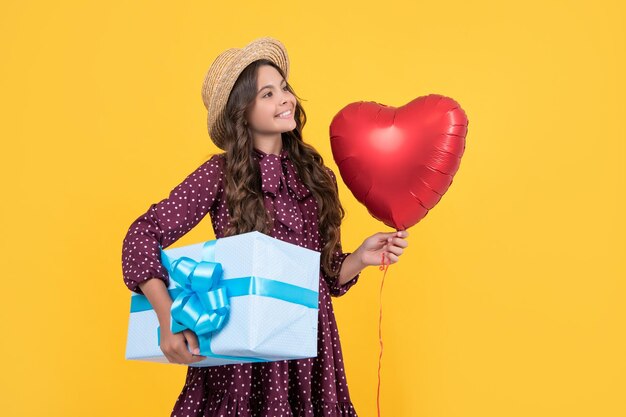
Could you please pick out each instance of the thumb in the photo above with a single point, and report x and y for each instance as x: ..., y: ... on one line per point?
x: 192, y: 341
x: 386, y: 235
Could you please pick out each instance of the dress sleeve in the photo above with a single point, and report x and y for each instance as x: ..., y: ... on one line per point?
x: 337, y: 260
x: 167, y: 221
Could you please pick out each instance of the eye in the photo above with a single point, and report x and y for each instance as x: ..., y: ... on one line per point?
x: 285, y: 88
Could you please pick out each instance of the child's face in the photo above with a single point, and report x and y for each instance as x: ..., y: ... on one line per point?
x: 272, y: 98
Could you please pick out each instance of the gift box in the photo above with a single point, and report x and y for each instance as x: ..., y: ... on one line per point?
x: 248, y: 298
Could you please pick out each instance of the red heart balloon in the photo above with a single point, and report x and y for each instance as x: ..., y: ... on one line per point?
x: 399, y: 162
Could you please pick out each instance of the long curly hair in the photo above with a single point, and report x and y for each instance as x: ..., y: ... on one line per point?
x: 242, y: 188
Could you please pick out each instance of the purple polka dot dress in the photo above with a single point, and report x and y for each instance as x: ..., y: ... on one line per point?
x: 311, y: 387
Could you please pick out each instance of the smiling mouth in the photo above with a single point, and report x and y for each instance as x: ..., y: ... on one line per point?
x: 284, y: 115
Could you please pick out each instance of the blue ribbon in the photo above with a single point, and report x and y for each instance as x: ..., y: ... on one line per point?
x: 201, y: 306
x: 201, y: 298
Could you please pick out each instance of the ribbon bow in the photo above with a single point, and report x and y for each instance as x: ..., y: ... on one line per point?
x: 201, y: 305
x: 279, y: 180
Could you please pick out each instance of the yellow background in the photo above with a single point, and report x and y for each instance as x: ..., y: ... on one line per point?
x: 509, y: 300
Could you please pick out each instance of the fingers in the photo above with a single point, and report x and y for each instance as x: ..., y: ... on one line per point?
x: 398, y: 233
x: 394, y: 249
x: 391, y: 257
x: 174, y: 347
x: 192, y: 341
x: 398, y: 242
x: 177, y: 352
x: 395, y: 244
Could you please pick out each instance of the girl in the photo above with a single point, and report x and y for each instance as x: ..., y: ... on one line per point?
x: 268, y: 180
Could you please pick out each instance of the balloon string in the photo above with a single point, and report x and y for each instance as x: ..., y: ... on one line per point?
x: 384, y: 268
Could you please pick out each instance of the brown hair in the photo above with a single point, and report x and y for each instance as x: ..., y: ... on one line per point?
x: 242, y: 185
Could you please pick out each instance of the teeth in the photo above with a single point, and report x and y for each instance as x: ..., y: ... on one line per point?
x: 286, y: 113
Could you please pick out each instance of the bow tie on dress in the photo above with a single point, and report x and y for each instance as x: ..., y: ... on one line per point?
x: 279, y: 181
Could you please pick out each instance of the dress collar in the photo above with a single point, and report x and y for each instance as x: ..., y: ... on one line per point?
x: 273, y: 174
x: 284, y: 153
x: 279, y: 181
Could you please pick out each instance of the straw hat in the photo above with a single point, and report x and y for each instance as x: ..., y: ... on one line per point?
x: 224, y: 71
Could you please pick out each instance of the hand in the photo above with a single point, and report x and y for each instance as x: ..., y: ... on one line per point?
x: 174, y: 346
x: 392, y: 244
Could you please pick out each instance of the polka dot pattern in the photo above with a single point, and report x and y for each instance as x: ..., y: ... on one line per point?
x: 279, y: 183
x: 308, y: 387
